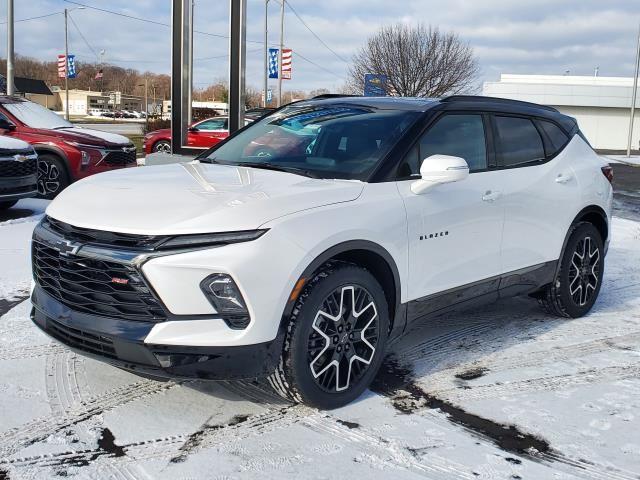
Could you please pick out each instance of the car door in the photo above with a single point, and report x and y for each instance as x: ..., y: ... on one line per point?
x: 540, y: 190
x: 208, y: 132
x: 454, y: 229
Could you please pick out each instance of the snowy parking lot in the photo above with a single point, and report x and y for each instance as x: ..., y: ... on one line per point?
x: 502, y: 392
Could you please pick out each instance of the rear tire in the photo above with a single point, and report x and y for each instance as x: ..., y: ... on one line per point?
x: 52, y: 176
x: 335, y: 339
x: 579, y: 278
x: 7, y: 205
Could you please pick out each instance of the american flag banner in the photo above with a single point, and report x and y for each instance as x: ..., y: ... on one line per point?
x: 98, y: 75
x: 62, y: 66
x: 67, y: 68
x: 287, y: 56
x: 273, y: 63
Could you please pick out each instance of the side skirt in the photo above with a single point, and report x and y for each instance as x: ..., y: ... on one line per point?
x: 519, y: 282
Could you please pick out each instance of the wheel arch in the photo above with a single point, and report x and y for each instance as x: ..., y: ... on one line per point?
x: 593, y: 214
x: 57, y: 152
x: 370, y: 256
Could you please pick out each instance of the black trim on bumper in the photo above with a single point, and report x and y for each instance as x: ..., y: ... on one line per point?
x: 15, y: 188
x: 121, y: 343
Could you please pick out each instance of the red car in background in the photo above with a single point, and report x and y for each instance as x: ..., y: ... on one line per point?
x: 203, y: 134
x: 65, y: 152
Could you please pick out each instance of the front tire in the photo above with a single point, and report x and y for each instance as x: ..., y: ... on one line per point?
x: 335, y: 340
x: 52, y: 176
x: 579, y: 278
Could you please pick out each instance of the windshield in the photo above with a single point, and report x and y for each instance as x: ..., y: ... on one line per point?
x: 332, y: 141
x: 36, y: 116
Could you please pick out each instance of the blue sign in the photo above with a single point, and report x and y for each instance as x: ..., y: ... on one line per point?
x: 71, y: 66
x: 375, y: 85
x: 273, y: 63
x: 269, y: 95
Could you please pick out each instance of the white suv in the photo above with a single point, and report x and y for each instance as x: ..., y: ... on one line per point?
x: 300, y: 246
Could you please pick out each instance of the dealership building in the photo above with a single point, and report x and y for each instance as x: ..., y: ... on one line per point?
x: 600, y: 104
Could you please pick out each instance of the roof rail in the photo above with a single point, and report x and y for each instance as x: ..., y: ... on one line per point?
x: 332, y: 95
x: 479, y: 98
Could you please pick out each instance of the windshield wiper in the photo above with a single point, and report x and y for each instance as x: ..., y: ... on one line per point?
x: 264, y: 166
x: 277, y: 168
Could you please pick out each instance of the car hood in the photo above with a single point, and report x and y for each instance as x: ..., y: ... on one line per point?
x: 161, y: 132
x: 193, y: 198
x: 7, y: 143
x: 88, y: 136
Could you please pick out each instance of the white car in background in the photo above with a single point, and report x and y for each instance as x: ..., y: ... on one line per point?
x: 300, y: 246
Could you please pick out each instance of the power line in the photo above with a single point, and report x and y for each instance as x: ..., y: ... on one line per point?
x: 208, y: 33
x: 314, y: 33
x: 140, y: 19
x: 34, y: 18
x: 319, y: 66
x: 82, y: 36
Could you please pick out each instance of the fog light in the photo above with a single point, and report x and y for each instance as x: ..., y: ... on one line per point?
x: 224, y: 295
x: 85, y: 158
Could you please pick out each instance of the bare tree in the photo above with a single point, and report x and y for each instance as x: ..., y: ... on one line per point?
x: 418, y: 62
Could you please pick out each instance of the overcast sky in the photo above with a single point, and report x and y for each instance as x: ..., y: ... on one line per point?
x: 508, y: 36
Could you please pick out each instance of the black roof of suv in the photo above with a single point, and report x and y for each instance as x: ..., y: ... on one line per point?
x: 454, y: 102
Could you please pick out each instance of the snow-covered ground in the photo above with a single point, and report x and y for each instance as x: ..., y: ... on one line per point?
x: 503, y: 392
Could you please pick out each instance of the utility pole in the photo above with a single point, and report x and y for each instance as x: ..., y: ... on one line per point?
x: 266, y: 51
x: 66, y: 64
x: 633, y: 97
x: 280, y: 53
x: 10, y: 53
x: 146, y: 103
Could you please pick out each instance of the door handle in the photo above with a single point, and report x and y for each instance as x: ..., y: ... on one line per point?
x: 490, y: 196
x: 564, y: 178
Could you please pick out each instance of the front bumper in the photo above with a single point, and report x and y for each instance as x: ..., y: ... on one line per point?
x: 15, y: 188
x: 122, y: 343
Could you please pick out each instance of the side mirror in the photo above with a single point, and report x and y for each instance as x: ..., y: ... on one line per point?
x: 438, y: 169
x: 193, y: 129
x: 6, y: 125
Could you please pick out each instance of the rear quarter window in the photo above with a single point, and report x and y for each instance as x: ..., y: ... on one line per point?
x: 556, y: 136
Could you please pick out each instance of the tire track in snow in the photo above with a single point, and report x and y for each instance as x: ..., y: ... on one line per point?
x: 39, y: 429
x: 170, y: 446
x: 499, y: 363
x: 558, y: 382
x: 28, y: 351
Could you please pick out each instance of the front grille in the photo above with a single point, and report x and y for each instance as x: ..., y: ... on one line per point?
x: 80, y: 339
x: 120, y: 157
x: 12, y: 168
x: 100, y: 237
x: 17, y: 190
x: 93, y: 286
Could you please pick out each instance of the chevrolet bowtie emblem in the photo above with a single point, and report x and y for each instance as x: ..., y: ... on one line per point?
x: 65, y: 247
x: 20, y: 158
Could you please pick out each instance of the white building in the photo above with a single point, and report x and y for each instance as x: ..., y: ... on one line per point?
x: 600, y: 104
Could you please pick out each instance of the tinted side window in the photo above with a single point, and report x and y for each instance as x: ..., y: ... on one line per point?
x: 209, y: 125
x: 556, y: 136
x: 518, y: 141
x: 455, y: 135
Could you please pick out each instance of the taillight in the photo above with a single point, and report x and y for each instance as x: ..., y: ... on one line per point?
x: 607, y: 171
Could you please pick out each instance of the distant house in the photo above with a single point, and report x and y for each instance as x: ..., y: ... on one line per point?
x: 35, y: 90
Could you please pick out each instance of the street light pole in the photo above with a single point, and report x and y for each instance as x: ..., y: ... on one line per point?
x: 10, y: 52
x: 266, y: 52
x: 280, y: 53
x: 146, y: 103
x: 633, y: 97
x: 66, y: 63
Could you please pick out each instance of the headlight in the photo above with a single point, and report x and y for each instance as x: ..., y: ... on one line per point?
x: 210, y: 239
x: 224, y: 295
